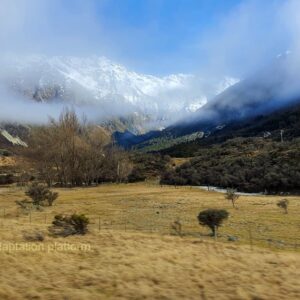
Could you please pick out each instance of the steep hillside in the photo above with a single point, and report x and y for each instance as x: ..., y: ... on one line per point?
x: 282, y: 124
x: 13, y: 135
x: 248, y: 108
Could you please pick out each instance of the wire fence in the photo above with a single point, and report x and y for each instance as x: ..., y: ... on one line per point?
x: 152, y: 221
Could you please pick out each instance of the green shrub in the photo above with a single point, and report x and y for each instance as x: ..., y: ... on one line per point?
x: 212, y: 218
x: 69, y: 225
x: 247, y: 164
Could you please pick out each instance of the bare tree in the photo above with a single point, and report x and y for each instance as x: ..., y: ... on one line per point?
x: 74, y: 153
x: 284, y: 204
x: 232, y: 196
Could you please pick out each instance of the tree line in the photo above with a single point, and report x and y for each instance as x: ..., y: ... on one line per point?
x: 246, y: 164
x: 71, y: 152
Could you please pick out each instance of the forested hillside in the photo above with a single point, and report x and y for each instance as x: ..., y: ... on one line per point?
x: 247, y: 164
x: 282, y: 124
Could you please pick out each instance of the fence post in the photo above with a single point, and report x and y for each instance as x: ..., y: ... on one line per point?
x: 215, y: 233
x: 30, y: 215
x: 250, y: 238
x: 99, y: 224
x: 2, y: 220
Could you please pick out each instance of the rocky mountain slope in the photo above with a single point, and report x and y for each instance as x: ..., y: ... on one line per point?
x: 13, y: 135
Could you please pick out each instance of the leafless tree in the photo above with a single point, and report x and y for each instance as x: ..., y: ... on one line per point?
x: 232, y: 196
x: 72, y: 153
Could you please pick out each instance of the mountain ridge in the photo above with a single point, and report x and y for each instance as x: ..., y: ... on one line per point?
x: 107, y: 86
x: 275, y: 87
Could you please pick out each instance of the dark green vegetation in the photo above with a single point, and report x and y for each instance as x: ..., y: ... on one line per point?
x: 267, y: 126
x: 184, y: 139
x: 260, y: 154
x: 213, y: 218
x: 40, y: 195
x: 160, y: 143
x: 147, y: 165
x: 246, y: 164
x: 69, y: 225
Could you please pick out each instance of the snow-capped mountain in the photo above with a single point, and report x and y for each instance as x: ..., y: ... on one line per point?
x: 110, y: 87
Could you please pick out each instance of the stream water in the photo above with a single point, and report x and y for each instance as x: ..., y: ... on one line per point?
x: 220, y: 190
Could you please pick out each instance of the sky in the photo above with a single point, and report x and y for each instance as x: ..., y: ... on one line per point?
x: 211, y: 39
x: 158, y: 37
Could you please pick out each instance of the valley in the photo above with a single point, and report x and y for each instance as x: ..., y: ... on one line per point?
x: 149, y: 150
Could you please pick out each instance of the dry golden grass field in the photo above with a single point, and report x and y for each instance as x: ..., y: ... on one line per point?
x: 7, y: 161
x: 130, y: 253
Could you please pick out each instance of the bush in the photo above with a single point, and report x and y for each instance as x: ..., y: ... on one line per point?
x: 212, y: 218
x: 69, y: 225
x: 136, y: 175
x: 40, y: 194
x: 284, y: 203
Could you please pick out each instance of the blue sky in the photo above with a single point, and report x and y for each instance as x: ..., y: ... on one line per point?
x: 161, y: 32
x: 223, y: 37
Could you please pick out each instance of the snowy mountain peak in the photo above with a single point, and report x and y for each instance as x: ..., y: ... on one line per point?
x: 110, y: 86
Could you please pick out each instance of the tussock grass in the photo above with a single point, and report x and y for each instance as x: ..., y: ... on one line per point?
x: 123, y: 265
x: 147, y: 207
x: 132, y: 255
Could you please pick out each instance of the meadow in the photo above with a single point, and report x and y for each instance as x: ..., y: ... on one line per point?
x: 149, y: 207
x: 131, y: 252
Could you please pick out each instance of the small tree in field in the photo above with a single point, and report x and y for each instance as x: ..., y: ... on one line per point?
x: 284, y: 203
x: 212, y: 218
x: 69, y: 225
x: 40, y: 194
x: 232, y: 196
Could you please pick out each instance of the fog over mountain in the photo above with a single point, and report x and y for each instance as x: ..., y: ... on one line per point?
x: 274, y: 86
x: 99, y: 88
